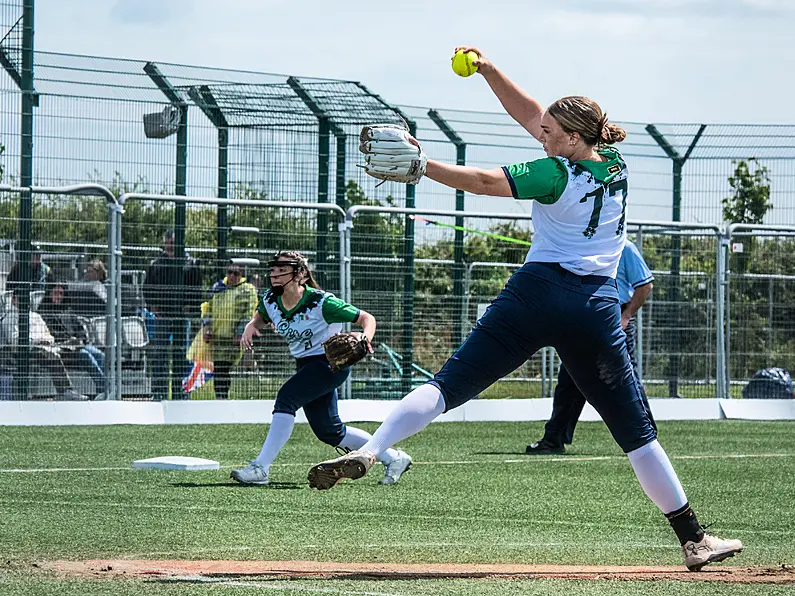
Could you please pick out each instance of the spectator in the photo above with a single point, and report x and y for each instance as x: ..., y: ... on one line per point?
x: 230, y: 309
x: 38, y: 275
x: 43, y: 351
x: 172, y: 288
x: 72, y: 337
x: 89, y: 298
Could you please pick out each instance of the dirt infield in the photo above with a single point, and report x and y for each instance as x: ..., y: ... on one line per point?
x: 138, y: 569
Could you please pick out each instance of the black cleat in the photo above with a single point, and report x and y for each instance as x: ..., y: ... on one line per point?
x: 543, y: 447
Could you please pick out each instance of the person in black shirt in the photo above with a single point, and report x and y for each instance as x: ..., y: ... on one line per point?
x: 172, y: 290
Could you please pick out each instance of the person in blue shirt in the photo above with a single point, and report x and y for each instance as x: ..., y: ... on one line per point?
x: 634, y: 281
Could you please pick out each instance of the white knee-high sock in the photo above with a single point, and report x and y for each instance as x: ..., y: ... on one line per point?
x: 414, y: 412
x: 356, y: 437
x: 278, y: 434
x: 657, y: 477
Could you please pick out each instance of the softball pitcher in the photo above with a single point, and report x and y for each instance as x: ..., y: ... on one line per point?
x: 565, y: 295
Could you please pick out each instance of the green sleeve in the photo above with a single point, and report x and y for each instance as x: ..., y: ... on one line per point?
x: 543, y: 180
x: 339, y: 311
x: 261, y: 309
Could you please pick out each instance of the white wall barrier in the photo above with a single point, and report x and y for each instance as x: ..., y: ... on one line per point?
x: 31, y: 413
x: 758, y: 409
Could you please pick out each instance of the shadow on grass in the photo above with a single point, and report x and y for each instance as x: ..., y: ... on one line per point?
x: 271, y: 486
x: 518, y: 452
x: 576, y: 453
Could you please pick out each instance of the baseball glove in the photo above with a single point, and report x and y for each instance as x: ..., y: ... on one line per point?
x: 390, y: 155
x: 345, y: 349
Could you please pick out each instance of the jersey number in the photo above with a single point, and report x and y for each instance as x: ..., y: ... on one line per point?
x: 598, y: 198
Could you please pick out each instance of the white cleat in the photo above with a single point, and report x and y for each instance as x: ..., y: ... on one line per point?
x: 396, y: 468
x: 251, y: 474
x: 710, y: 549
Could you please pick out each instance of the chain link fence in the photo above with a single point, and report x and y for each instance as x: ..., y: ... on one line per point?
x: 760, y: 304
x: 150, y: 127
x: 719, y: 312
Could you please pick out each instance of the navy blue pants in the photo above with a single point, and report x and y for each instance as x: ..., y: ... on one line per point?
x: 313, y: 387
x: 545, y: 305
x: 569, y: 401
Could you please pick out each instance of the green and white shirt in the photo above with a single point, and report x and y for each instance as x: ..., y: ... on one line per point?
x: 316, y: 317
x: 580, y: 211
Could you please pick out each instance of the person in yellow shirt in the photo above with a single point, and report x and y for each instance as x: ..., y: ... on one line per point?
x: 228, y: 311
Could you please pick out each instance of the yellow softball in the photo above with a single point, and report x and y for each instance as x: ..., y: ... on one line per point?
x: 462, y: 63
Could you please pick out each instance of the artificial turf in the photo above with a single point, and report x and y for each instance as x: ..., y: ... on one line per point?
x: 472, y: 497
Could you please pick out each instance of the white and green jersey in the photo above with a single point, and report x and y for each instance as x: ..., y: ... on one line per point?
x: 580, y: 211
x: 316, y: 317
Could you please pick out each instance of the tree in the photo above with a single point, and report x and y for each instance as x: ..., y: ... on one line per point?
x: 750, y: 199
x: 749, y: 202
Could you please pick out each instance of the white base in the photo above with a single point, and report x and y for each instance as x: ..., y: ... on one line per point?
x: 176, y: 462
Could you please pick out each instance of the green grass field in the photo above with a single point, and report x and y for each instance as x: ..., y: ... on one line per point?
x: 472, y: 497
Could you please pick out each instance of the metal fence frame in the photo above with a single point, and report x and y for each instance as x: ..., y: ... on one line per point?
x: 113, y: 282
x: 723, y: 237
x: 548, y: 361
x: 458, y: 261
x: 681, y: 228
x: 222, y: 203
x: 732, y: 231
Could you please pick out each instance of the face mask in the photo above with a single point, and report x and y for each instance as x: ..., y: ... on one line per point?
x: 279, y: 290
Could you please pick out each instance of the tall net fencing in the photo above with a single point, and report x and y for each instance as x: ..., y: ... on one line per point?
x: 760, y: 307
x: 152, y: 127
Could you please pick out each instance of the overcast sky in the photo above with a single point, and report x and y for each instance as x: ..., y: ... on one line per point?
x: 710, y: 61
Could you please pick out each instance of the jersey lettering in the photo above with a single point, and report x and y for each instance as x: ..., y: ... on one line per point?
x: 290, y: 334
x: 598, y: 195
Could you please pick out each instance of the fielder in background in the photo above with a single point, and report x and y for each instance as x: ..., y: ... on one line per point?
x: 306, y: 316
x: 564, y: 296
x: 634, y: 280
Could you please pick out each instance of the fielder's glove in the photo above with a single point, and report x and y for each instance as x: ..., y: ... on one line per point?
x: 390, y: 155
x: 345, y: 349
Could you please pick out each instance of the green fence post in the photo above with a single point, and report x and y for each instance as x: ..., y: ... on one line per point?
x: 180, y: 209
x: 678, y: 162
x: 326, y: 127
x: 407, y: 343
x: 221, y: 218
x: 29, y: 101
x: 458, y: 239
x: 182, y: 153
x: 342, y: 155
x: 323, y: 169
x: 408, y: 284
x: 204, y: 99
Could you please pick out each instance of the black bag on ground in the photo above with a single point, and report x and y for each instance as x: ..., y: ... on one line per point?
x: 770, y: 383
